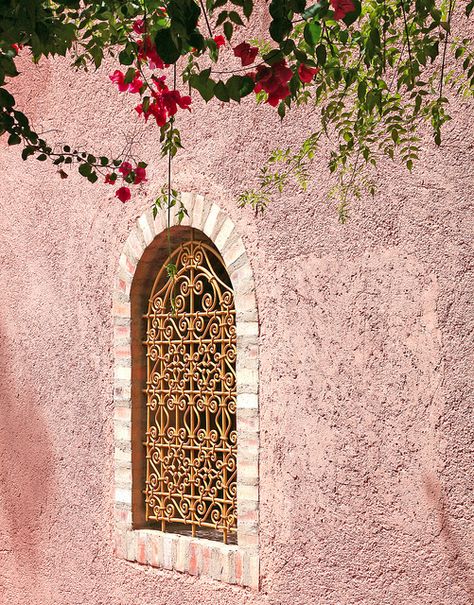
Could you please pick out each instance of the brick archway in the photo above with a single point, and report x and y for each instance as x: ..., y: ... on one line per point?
x: 237, y: 564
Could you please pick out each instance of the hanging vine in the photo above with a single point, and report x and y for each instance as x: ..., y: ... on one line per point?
x: 378, y: 70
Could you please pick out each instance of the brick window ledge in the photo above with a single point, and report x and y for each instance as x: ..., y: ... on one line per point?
x: 198, y: 557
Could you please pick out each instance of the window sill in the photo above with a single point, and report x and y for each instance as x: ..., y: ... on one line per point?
x: 196, y: 556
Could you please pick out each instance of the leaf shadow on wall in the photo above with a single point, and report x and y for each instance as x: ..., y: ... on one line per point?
x: 26, y: 475
x: 457, y: 561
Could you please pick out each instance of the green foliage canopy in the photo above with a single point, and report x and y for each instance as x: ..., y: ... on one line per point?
x: 376, y: 69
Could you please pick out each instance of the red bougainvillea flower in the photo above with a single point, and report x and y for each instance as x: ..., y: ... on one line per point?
x: 342, y: 8
x: 136, y: 84
x: 306, y: 73
x: 164, y: 104
x: 125, y: 169
x: 118, y: 78
x: 219, y: 40
x: 123, y: 194
x: 273, y: 79
x: 140, y: 175
x: 246, y: 53
x: 139, y: 26
x: 147, y: 53
x: 110, y: 178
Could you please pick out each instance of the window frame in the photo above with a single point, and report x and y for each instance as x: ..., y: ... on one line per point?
x: 234, y: 564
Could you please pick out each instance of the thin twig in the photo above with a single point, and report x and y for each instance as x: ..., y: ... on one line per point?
x: 203, y: 8
x: 410, y: 58
x: 443, y: 64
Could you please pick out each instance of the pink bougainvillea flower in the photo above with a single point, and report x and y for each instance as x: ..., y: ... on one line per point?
x: 219, y: 40
x: 118, y: 78
x: 246, y: 53
x: 140, y: 175
x: 273, y: 79
x: 136, y: 84
x: 164, y: 103
x: 139, y: 26
x: 123, y: 194
x: 125, y: 169
x: 306, y: 73
x: 110, y: 178
x: 342, y: 8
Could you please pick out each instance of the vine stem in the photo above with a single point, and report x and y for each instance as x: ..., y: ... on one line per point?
x: 203, y: 8
x: 443, y: 63
x: 408, y: 39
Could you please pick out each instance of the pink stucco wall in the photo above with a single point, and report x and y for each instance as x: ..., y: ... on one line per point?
x: 367, y: 435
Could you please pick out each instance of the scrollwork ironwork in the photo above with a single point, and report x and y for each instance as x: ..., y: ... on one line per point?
x: 191, y: 436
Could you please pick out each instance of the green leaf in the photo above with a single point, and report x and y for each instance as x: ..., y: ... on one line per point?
x: 321, y: 55
x: 168, y: 48
x: 14, y: 139
x: 85, y: 169
x: 203, y: 84
x: 6, y: 99
x: 228, y: 30
x: 125, y: 57
x: 312, y: 33
x: 221, y: 92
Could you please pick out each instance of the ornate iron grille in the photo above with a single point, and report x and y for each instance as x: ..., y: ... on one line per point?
x: 191, y: 436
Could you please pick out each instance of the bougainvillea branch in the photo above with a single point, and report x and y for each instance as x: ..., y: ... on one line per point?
x: 377, y: 71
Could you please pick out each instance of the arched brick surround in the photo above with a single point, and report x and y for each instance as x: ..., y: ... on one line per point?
x: 235, y: 564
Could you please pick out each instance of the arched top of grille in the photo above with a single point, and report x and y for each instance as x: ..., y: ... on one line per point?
x: 197, y: 268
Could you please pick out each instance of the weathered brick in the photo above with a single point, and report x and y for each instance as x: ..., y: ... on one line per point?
x: 145, y: 224
x: 132, y: 545
x: 120, y: 543
x: 141, y: 553
x: 120, y: 309
x: 211, y: 220
x: 231, y: 253
x: 224, y: 233
x: 199, y: 212
x: 156, y: 551
x: 251, y: 572
x: 122, y: 413
x: 169, y: 551
x: 247, y: 401
x: 123, y: 494
x: 182, y: 554
x: 247, y: 492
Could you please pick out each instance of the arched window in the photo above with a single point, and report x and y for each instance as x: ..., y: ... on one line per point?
x: 186, y: 420
x: 191, y: 435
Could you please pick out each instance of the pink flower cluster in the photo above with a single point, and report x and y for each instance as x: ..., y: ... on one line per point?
x: 135, y: 86
x: 164, y: 102
x: 130, y: 175
x: 274, y: 79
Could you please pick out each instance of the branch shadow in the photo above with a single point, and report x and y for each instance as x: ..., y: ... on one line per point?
x: 457, y: 561
x: 26, y: 476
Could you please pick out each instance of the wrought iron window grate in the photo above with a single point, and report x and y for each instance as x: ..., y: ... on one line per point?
x: 191, y: 436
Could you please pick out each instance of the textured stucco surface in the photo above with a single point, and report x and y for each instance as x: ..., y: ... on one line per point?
x: 367, y: 434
